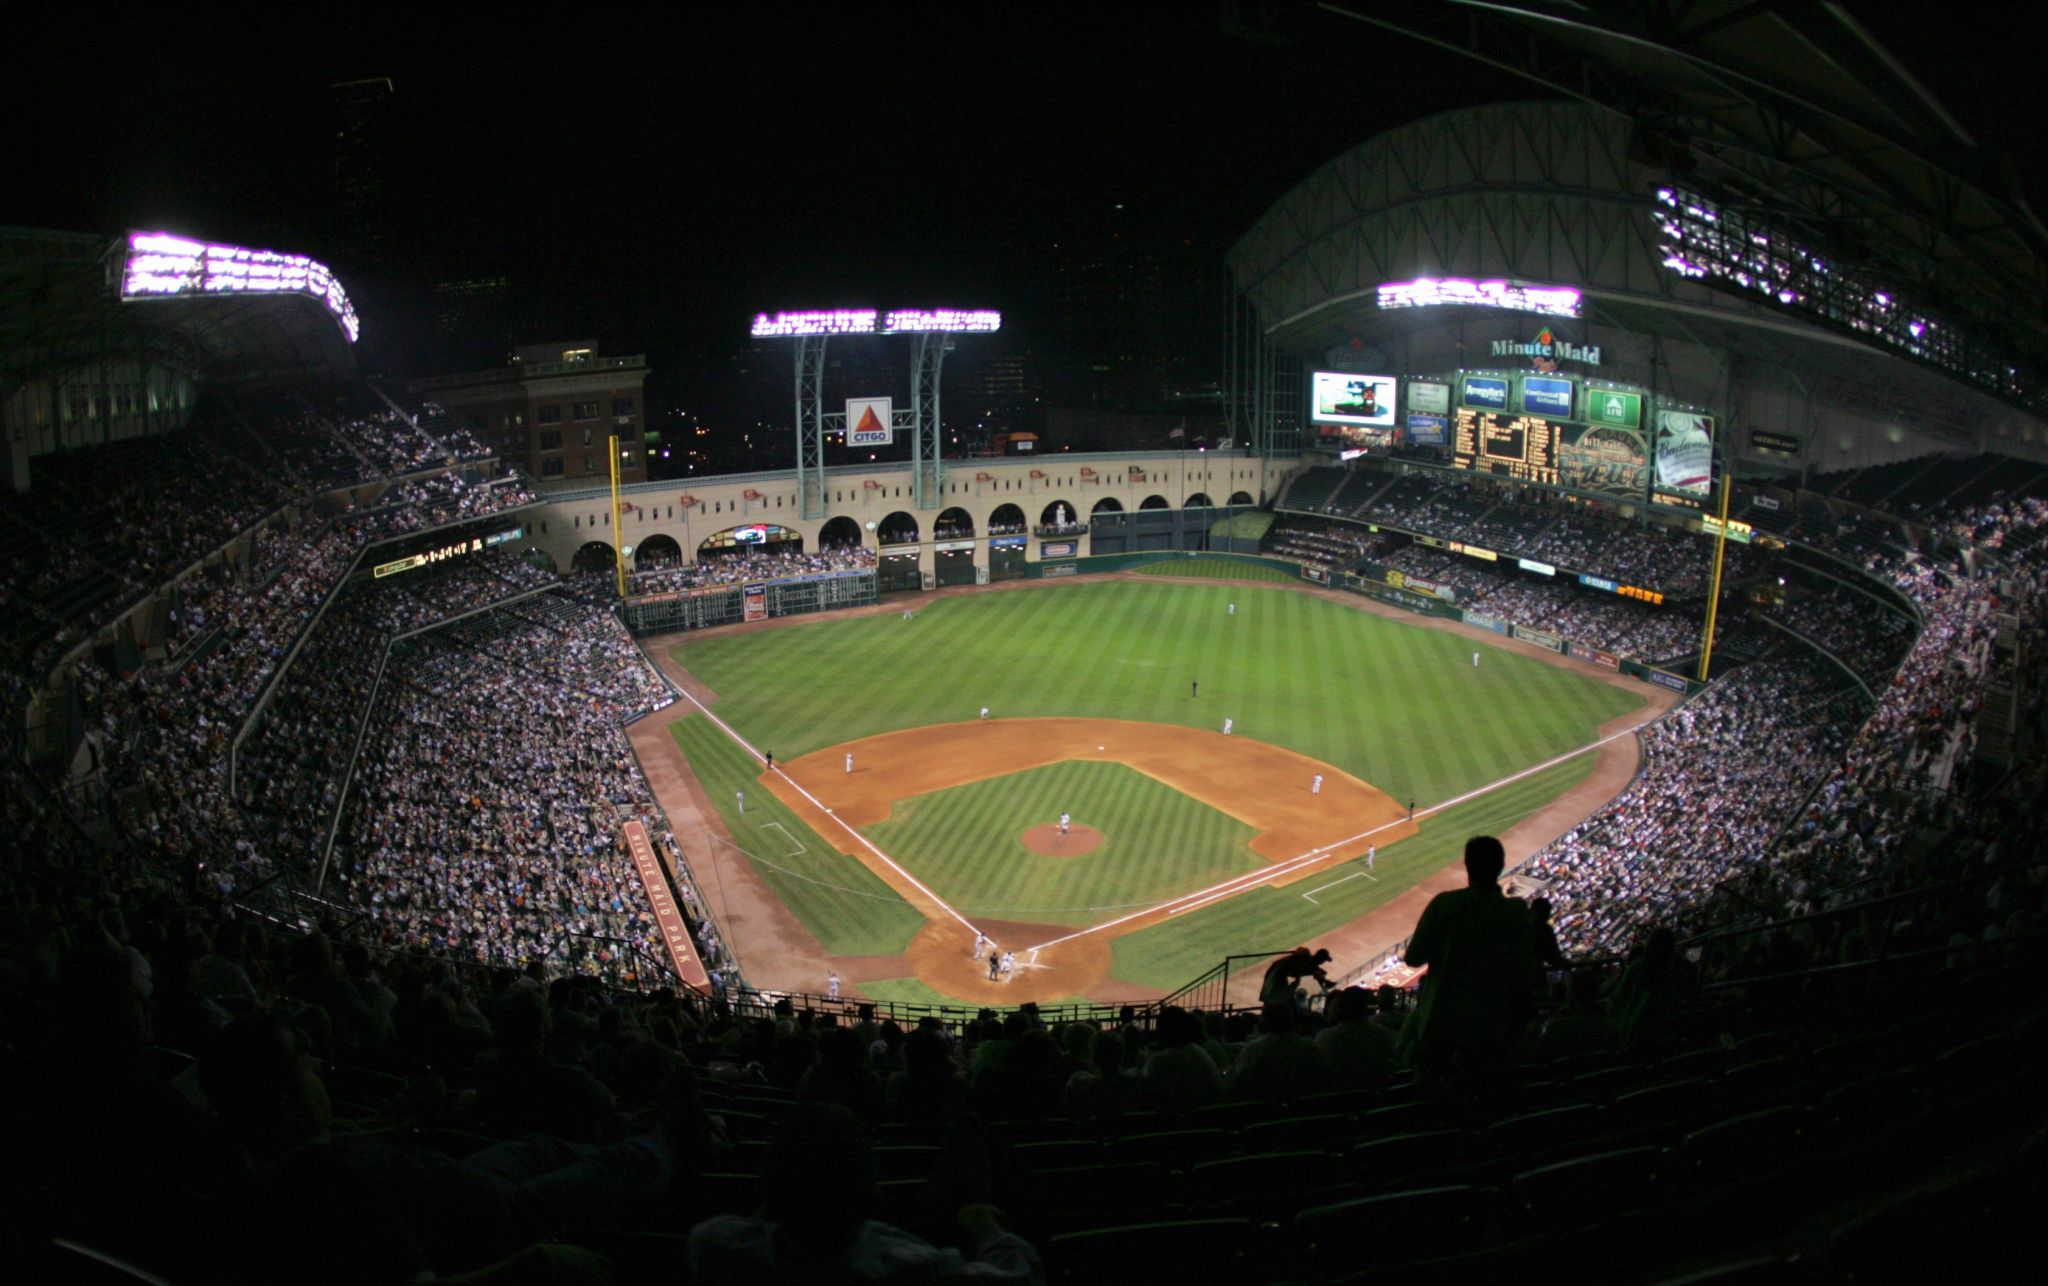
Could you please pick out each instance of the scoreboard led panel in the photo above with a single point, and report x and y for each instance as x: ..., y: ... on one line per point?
x: 1523, y: 447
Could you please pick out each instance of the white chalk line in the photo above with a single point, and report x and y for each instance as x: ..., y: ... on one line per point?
x: 1239, y: 884
x: 859, y: 838
x: 797, y: 848
x: 1310, y: 896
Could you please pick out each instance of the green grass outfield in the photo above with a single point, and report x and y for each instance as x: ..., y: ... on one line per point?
x: 1397, y: 704
x: 1157, y: 842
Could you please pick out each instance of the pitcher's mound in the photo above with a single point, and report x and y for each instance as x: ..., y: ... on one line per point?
x: 1048, y: 840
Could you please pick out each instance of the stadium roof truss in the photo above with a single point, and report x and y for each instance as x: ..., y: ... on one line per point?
x: 1719, y: 172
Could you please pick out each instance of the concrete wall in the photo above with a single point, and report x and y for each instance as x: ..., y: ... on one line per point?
x: 869, y: 493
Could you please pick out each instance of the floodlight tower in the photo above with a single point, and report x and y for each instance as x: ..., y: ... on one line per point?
x: 934, y: 328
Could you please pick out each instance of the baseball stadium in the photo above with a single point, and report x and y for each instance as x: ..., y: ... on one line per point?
x: 1554, y: 780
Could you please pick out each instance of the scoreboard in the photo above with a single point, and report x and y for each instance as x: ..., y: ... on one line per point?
x: 1522, y: 447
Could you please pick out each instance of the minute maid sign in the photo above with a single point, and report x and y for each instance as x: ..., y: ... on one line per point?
x: 1548, y: 350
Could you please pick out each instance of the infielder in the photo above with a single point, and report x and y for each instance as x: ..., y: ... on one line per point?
x: 832, y: 985
x: 740, y: 797
x: 849, y: 761
x: 1316, y: 787
x: 984, y: 712
x: 1228, y: 724
x: 1371, y: 851
x: 980, y: 942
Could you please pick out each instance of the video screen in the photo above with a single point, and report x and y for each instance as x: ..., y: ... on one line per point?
x: 1339, y: 397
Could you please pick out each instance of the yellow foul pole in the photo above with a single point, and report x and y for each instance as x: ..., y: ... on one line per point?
x: 619, y: 554
x: 1714, y: 587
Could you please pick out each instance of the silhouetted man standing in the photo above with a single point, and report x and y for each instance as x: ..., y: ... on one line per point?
x: 1479, y: 946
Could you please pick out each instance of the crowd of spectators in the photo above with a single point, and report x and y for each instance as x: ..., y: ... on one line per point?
x: 105, y: 525
x: 1720, y: 777
x: 1866, y: 635
x: 495, y: 777
x: 1321, y: 544
x: 290, y: 771
x: 1631, y: 552
x: 743, y: 568
x: 1776, y: 793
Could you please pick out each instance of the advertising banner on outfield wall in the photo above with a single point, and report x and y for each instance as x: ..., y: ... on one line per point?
x: 1580, y: 652
x: 1541, y: 638
x: 1413, y: 602
x: 1485, y: 622
x: 1402, y: 580
x: 757, y: 601
x: 1050, y: 570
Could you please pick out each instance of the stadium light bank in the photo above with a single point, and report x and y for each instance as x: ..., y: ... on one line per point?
x: 872, y: 321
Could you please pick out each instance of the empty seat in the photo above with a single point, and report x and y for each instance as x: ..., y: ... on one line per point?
x: 1194, y: 1249
x: 907, y: 1161
x: 1381, y: 1160
x: 1752, y: 1143
x: 1327, y: 1133
x: 1177, y: 1149
x: 1126, y: 1186
x: 1057, y: 1154
x: 1213, y: 1182
x: 1583, y: 1189
x: 1667, y: 1103
x: 1420, y: 1223
x: 1546, y: 1131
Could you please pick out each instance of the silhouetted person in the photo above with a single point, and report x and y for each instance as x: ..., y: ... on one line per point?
x: 1286, y: 973
x: 1482, y: 970
x: 1544, y: 935
x: 1654, y: 991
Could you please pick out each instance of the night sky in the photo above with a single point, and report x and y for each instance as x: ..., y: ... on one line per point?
x: 656, y: 179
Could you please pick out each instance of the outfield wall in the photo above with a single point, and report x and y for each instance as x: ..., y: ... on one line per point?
x: 690, y: 510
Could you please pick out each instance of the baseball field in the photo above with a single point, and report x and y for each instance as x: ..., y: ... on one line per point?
x: 897, y: 822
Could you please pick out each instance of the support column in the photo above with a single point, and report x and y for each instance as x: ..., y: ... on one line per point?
x: 927, y: 471
x: 810, y: 426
